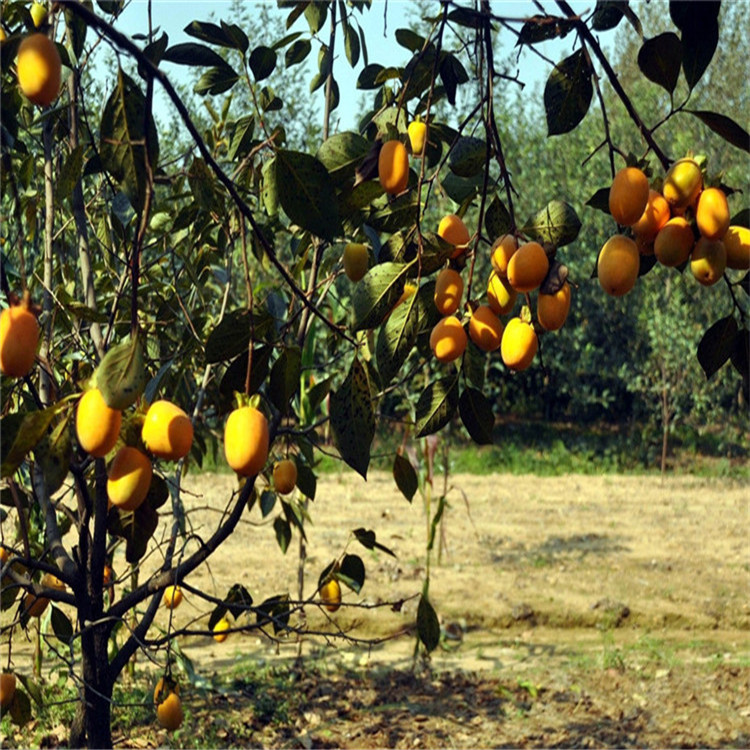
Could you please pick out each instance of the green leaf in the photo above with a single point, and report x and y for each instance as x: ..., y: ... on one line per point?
x: 436, y: 522
x: 607, y: 14
x: 467, y: 17
x: 315, y: 13
x: 242, y: 138
x: 699, y: 24
x: 269, y: 191
x: 460, y: 189
x: 135, y: 527
x: 21, y: 433
x: 122, y: 138
x: 396, y: 339
x: 158, y: 492
x: 307, y: 482
x: 262, y: 62
x: 238, y: 600
x: 376, y: 294
x: 352, y: 572
x: 428, y: 626
x: 474, y: 363
x: 394, y: 214
x: 405, y: 476
x: 476, y: 414
x: 366, y: 537
x: 236, y: 373
x: 235, y: 34
x: 306, y: 193
x: 297, y: 52
x: 274, y: 610
x: 121, y: 375
x: 191, y: 53
x: 209, y: 32
x: 497, y: 220
x: 203, y: 186
x: 353, y: 418
x: 467, y: 156
x: 600, y: 200
x: 351, y: 45
x: 32, y: 688
x: 230, y: 337
x: 568, y: 93
x: 20, y: 709
x: 727, y: 128
x: 53, y: 454
x: 267, y: 501
x: 436, y: 406
x: 540, y: 28
x: 557, y: 224
x: 369, y: 76
x: 285, y: 375
x: 660, y: 59
x: 70, y: 174
x: 717, y: 345
x: 61, y: 625
x: 216, y: 81
x: 268, y: 100
x: 341, y: 154
x: 283, y: 532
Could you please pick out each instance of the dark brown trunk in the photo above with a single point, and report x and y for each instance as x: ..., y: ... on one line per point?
x: 92, y: 722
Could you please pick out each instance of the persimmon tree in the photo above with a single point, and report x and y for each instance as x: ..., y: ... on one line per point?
x: 209, y: 286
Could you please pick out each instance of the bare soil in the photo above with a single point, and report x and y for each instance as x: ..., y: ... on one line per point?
x: 576, y: 611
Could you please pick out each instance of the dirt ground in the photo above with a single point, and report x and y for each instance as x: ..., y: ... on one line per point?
x: 579, y: 611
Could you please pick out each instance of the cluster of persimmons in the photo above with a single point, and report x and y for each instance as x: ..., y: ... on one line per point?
x: 683, y: 221
x: 517, y: 268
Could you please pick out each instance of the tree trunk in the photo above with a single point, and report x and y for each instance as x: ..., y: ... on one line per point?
x: 665, y: 420
x: 91, y: 726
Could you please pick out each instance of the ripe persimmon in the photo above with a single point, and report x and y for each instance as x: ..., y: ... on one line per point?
x: 449, y: 288
x: 246, y: 441
x: 709, y: 261
x: 39, y: 69
x: 167, y: 431
x: 172, y: 597
x: 527, y: 267
x: 453, y: 230
x: 330, y: 594
x: 393, y: 167
x: 682, y: 184
x: 19, y: 336
x: 502, y: 250
x: 552, y: 309
x: 712, y: 214
x: 737, y: 244
x: 501, y: 296
x: 356, y: 260
x: 618, y: 265
x: 448, y: 339
x: 654, y: 217
x: 129, y: 478
x: 285, y: 476
x: 169, y: 712
x: 220, y: 634
x: 417, y: 132
x: 628, y: 196
x: 97, y: 426
x: 518, y: 345
x: 485, y: 329
x: 7, y: 689
x: 674, y: 242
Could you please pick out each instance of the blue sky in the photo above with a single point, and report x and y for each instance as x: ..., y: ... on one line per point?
x: 173, y: 15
